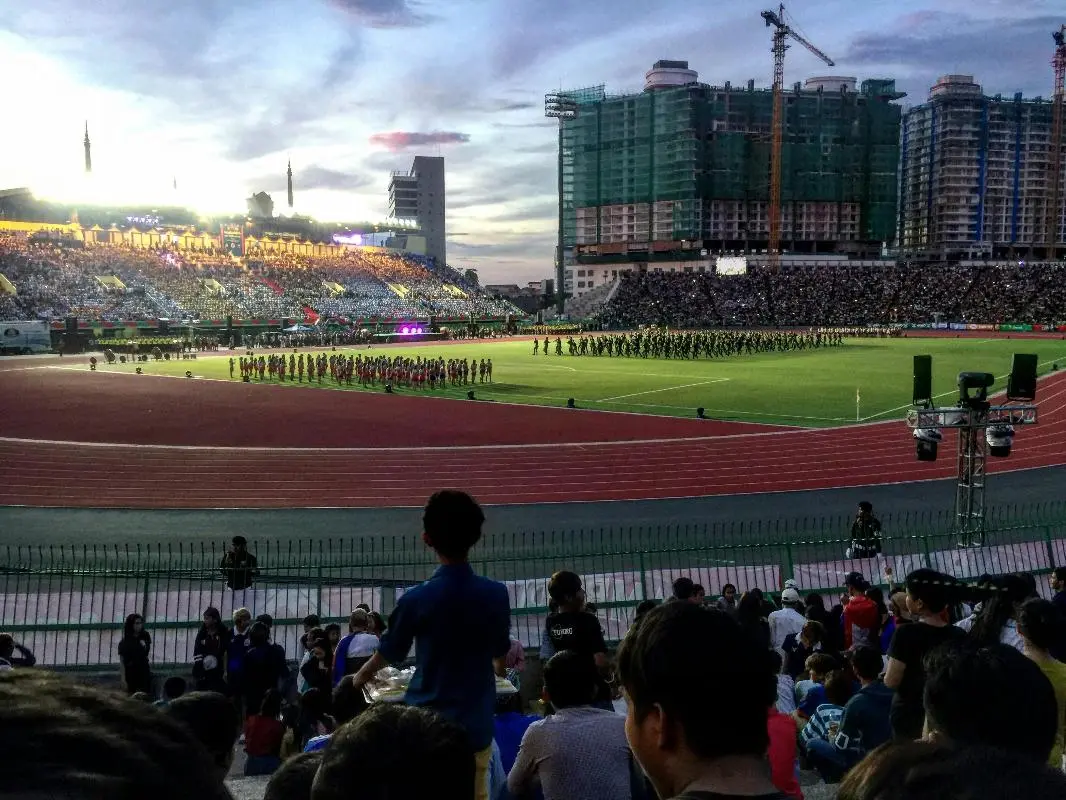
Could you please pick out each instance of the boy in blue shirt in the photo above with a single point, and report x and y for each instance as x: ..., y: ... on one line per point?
x: 459, y: 623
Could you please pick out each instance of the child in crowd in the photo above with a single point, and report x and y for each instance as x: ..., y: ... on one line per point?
x: 263, y: 733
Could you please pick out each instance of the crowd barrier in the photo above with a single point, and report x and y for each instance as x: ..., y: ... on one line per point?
x: 67, y: 604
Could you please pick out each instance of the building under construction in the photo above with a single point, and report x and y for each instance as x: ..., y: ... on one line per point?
x: 681, y: 171
x: 976, y: 177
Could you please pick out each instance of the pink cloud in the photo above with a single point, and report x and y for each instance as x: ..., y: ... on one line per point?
x: 404, y: 140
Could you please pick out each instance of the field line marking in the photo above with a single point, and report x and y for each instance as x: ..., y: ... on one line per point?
x: 953, y: 391
x: 664, y: 389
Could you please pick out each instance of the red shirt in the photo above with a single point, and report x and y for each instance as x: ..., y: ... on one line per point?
x: 782, y: 753
x: 262, y: 736
x: 861, y: 619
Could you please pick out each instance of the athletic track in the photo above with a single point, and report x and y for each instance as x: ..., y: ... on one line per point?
x: 71, y: 438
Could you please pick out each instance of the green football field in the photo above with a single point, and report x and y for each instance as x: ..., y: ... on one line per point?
x: 812, y: 388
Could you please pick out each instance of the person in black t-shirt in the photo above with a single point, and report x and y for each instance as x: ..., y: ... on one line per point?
x: 572, y: 627
x: 239, y: 567
x: 699, y: 689
x: 928, y: 594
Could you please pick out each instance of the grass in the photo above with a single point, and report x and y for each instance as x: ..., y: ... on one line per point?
x: 812, y: 388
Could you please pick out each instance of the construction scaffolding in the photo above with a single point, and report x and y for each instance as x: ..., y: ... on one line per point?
x: 692, y: 163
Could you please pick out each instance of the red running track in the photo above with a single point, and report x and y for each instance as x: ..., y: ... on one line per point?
x: 160, y: 443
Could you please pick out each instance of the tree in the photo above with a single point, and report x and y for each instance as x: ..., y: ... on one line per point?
x: 471, y: 277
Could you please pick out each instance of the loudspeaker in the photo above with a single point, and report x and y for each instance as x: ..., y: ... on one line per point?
x: 1021, y: 385
x: 923, y: 380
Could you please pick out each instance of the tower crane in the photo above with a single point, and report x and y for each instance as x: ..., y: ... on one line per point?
x: 1053, y: 213
x: 782, y: 32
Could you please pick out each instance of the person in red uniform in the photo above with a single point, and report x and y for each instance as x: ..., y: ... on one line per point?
x: 861, y: 617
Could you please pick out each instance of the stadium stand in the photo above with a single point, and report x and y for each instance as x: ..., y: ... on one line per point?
x: 57, y: 279
x: 842, y: 295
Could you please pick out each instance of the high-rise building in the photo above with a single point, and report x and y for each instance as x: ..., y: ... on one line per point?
x: 974, y: 176
x: 417, y: 196
x: 681, y: 171
x: 88, y: 150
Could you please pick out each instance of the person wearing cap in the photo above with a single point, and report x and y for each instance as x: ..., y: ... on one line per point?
x: 788, y: 619
x: 861, y: 616
x: 239, y: 567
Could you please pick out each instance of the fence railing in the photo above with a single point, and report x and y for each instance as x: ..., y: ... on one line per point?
x: 68, y: 603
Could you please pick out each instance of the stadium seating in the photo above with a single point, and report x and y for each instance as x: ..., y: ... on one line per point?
x: 843, y: 295
x: 116, y: 283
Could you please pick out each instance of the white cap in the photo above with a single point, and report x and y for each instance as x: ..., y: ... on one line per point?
x: 790, y: 595
x: 791, y: 584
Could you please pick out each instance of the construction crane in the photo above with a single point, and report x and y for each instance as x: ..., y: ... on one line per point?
x: 1053, y: 213
x: 782, y: 32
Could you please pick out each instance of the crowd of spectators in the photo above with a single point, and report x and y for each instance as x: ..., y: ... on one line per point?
x: 843, y: 295
x: 706, y: 698
x: 59, y: 278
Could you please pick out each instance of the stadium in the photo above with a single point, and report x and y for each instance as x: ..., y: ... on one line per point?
x: 179, y: 392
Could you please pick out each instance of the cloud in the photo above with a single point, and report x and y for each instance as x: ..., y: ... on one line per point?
x: 318, y: 177
x: 405, y: 140
x: 385, y: 13
x: 918, y: 55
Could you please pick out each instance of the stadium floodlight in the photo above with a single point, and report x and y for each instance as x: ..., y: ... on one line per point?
x: 973, y: 389
x: 188, y: 373
x: 927, y: 441
x: 700, y: 414
x: 388, y: 388
x: 470, y: 395
x: 139, y: 371
x: 999, y: 438
x: 570, y: 403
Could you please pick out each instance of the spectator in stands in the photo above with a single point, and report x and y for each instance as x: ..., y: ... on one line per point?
x: 398, y: 751
x: 936, y: 771
x: 824, y: 723
x: 1040, y: 624
x: 355, y: 649
x: 263, y: 666
x: 515, y: 663
x: 685, y: 590
x: 788, y: 620
x: 580, y: 750
x: 240, y: 643
x: 133, y: 653
x: 786, y: 685
x: 263, y: 733
x: 209, y: 653
x: 863, y: 726
x: 861, y: 616
x: 510, y: 726
x: 308, y: 719
x: 990, y: 695
x: 572, y: 627
x: 728, y: 601
x: 213, y: 721
x: 799, y: 648
x: 295, y: 778
x: 8, y: 659
x: 818, y: 667
x: 886, y: 625
x: 348, y: 703
x: 453, y: 674
x: 317, y: 671
x: 239, y: 567
x: 751, y: 614
x: 65, y: 739
x: 997, y: 618
x: 928, y: 594
x: 781, y: 753
x: 173, y: 688
x: 674, y: 667
x: 1057, y: 580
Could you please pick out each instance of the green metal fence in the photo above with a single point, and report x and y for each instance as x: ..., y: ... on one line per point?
x: 67, y: 603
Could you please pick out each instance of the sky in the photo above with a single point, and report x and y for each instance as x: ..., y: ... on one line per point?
x: 217, y: 96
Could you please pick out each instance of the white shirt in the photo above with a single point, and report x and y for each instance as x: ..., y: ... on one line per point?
x: 784, y: 622
x: 1008, y: 634
x: 786, y: 694
x: 362, y: 645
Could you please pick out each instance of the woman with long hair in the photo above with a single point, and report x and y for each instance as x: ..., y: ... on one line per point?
x: 752, y: 619
x: 133, y: 652
x: 996, y: 622
x: 209, y: 653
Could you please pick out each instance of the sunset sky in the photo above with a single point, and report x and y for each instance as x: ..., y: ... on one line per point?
x: 218, y: 95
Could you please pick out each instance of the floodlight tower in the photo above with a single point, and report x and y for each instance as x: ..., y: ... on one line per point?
x: 563, y: 107
x: 983, y: 430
